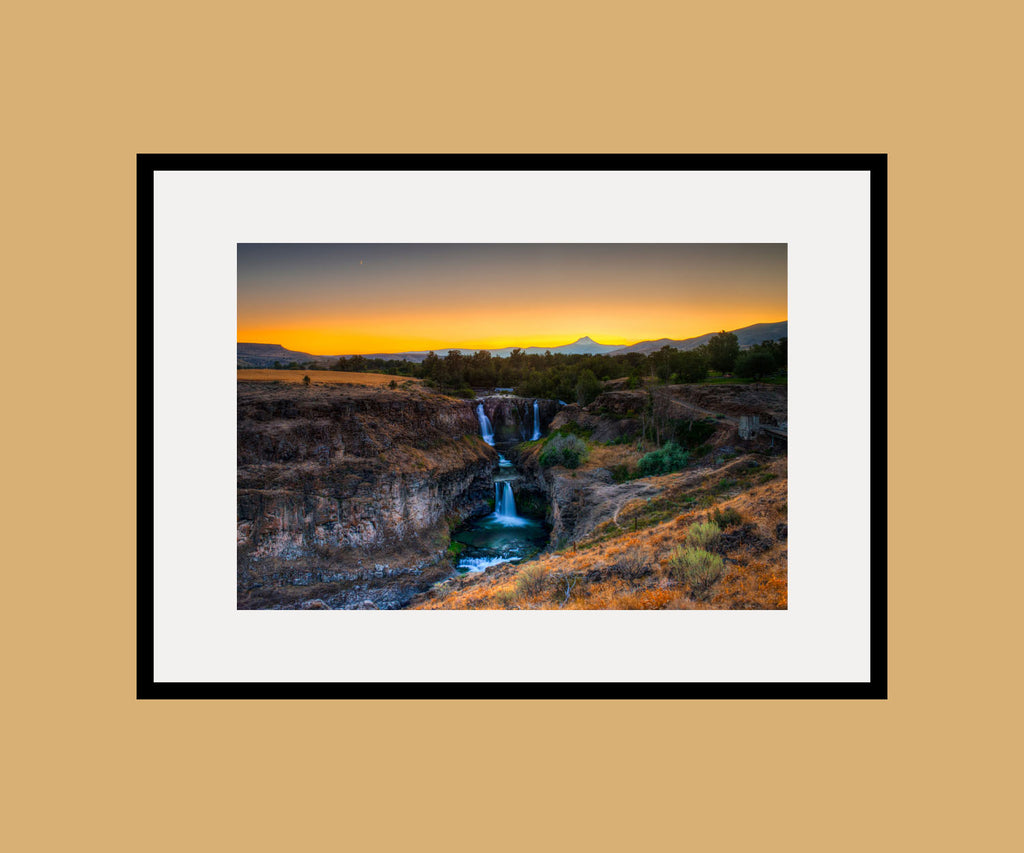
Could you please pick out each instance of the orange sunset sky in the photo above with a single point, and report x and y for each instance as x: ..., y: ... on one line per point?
x: 340, y: 299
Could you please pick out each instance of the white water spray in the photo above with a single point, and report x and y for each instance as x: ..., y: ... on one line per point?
x: 536, y: 421
x: 482, y: 564
x: 486, y: 431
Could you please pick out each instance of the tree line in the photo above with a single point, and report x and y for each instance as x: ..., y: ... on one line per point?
x: 579, y: 378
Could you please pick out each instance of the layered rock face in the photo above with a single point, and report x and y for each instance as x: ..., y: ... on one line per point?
x: 340, y: 484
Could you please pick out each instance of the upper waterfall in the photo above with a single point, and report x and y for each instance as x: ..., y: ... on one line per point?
x: 486, y: 431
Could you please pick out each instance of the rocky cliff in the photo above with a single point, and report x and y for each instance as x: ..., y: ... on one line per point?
x: 350, y: 492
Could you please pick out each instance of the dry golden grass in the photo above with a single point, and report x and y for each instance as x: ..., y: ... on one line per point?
x: 754, y: 579
x: 608, y: 456
x: 320, y: 377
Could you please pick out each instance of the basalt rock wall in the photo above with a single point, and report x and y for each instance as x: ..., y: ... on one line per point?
x: 345, y: 482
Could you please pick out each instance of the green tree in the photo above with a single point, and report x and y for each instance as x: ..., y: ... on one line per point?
x: 723, y: 350
x: 692, y: 366
x: 454, y: 369
x: 481, y: 372
x: 662, y: 360
x: 588, y: 387
x: 755, y: 363
x: 431, y: 366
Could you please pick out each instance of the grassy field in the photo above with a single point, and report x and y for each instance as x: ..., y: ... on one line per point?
x: 320, y: 377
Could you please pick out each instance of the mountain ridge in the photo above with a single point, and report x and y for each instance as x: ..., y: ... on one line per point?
x: 264, y: 355
x: 748, y: 336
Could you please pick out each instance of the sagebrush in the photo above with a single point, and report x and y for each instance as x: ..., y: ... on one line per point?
x: 670, y: 458
x: 531, y: 581
x: 697, y: 567
x: 704, y: 535
x: 566, y: 450
x: 727, y: 517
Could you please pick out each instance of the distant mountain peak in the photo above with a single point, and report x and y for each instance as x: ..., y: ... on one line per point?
x: 585, y: 340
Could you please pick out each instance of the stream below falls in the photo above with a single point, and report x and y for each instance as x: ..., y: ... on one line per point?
x: 502, y: 536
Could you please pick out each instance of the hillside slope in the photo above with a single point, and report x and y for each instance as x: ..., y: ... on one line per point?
x: 614, y: 538
x: 748, y: 336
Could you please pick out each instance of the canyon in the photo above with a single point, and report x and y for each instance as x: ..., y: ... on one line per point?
x: 349, y: 493
x: 359, y: 497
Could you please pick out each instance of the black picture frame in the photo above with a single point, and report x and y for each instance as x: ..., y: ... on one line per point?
x: 876, y: 688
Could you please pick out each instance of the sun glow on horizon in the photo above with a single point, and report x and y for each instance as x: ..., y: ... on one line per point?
x: 322, y: 342
x: 340, y: 299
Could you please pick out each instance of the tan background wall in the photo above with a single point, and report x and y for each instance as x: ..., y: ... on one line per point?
x: 89, y: 85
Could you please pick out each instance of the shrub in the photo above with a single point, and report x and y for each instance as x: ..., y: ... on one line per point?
x: 567, y: 450
x: 632, y: 567
x: 530, y: 581
x: 622, y: 473
x: 698, y: 568
x: 726, y: 517
x: 670, y: 458
x: 622, y: 439
x: 463, y: 391
x: 704, y: 535
x: 504, y: 597
x: 724, y: 485
x: 305, y: 381
x: 573, y: 428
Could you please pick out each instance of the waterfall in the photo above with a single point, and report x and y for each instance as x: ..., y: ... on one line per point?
x: 536, y: 421
x: 485, y: 425
x: 504, y: 500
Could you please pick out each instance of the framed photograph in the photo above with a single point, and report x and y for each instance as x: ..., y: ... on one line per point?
x: 512, y: 426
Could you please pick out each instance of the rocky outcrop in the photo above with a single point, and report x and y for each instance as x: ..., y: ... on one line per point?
x: 351, y: 486
x: 768, y: 402
x: 612, y: 416
x: 581, y: 500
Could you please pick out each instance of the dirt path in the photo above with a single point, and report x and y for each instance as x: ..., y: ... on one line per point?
x: 699, y: 409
